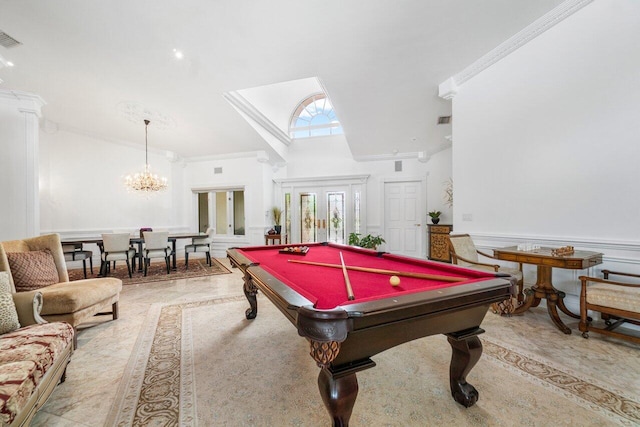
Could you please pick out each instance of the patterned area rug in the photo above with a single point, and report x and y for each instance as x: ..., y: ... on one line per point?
x: 202, y: 363
x: 157, y: 271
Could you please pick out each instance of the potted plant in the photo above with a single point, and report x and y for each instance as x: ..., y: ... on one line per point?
x: 368, y: 241
x: 276, y: 212
x: 435, y: 216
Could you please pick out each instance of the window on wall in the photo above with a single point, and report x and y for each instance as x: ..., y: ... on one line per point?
x: 224, y: 209
x: 314, y: 116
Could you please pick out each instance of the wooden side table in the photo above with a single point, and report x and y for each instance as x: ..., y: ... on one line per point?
x: 438, y: 245
x: 272, y: 238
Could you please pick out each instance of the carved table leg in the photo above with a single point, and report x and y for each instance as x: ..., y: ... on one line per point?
x: 553, y: 300
x: 250, y: 291
x: 530, y: 301
x: 563, y: 307
x: 339, y: 395
x: 466, y: 353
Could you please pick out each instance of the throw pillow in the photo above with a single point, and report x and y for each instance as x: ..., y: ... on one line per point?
x: 32, y: 270
x: 8, y: 314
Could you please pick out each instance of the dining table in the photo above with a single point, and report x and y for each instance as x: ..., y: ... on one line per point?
x: 139, y: 242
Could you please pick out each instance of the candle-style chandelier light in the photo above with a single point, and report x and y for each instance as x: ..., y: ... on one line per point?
x: 145, y: 182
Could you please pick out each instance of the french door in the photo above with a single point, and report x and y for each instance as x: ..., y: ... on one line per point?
x: 323, y: 209
x: 320, y: 214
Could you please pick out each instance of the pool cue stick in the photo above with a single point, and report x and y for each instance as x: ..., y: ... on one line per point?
x: 347, y: 282
x: 388, y: 272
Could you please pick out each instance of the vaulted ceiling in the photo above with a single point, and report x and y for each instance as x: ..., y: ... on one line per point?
x: 100, y: 64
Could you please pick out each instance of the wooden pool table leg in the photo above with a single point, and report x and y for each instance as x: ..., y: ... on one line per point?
x: 467, y: 350
x: 250, y: 291
x: 339, y: 395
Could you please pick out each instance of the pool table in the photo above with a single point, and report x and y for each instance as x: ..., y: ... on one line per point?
x: 431, y: 298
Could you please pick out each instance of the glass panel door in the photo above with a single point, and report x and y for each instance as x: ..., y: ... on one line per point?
x: 308, y: 217
x: 336, y: 219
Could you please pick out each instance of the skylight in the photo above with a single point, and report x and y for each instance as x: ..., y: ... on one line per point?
x: 314, y: 116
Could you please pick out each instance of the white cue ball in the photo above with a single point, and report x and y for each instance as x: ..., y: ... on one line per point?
x: 394, y: 280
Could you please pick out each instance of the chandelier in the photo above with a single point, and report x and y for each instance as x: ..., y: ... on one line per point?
x: 145, y: 182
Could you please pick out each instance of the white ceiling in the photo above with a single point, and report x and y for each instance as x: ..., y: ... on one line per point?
x: 380, y: 61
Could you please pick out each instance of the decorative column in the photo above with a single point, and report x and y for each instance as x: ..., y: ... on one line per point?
x: 19, y: 168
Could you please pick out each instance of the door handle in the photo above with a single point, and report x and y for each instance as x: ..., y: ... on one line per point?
x: 417, y: 225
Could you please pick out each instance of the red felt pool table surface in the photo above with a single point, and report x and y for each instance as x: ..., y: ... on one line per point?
x: 325, y: 286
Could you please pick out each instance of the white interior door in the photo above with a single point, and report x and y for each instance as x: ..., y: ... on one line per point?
x: 402, y: 214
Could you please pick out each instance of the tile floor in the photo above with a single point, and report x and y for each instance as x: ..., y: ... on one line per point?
x: 104, y: 348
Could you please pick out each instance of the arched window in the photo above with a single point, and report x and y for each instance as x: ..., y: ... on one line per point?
x: 314, y: 117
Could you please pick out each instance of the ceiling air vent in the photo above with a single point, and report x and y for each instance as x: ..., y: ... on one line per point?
x: 7, y: 41
x: 217, y: 170
x: 444, y: 120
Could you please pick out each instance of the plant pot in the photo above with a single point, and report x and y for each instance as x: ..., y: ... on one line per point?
x: 435, y: 220
x: 278, y: 228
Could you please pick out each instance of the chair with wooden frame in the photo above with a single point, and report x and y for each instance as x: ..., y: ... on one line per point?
x: 156, y: 245
x: 200, y: 244
x: 617, y: 302
x: 464, y: 253
x: 74, y: 252
x: 115, y: 247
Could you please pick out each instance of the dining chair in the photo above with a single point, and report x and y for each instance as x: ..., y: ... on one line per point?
x: 115, y: 247
x: 156, y: 245
x: 74, y: 252
x: 200, y: 244
x: 464, y: 253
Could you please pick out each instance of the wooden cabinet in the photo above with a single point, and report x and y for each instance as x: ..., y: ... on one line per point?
x: 437, y: 236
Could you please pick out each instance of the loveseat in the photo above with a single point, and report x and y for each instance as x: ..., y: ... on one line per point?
x: 38, y: 263
x: 33, y: 354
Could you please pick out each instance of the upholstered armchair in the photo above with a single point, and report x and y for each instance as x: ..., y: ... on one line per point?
x: 617, y: 302
x: 200, y: 244
x: 38, y: 264
x: 464, y: 253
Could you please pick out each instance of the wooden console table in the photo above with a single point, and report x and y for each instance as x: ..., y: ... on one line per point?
x: 272, y: 238
x: 438, y: 244
x: 543, y: 288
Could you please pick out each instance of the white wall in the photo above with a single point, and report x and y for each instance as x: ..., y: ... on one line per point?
x: 315, y: 157
x: 82, y: 187
x: 546, y: 141
x: 439, y: 173
x: 19, y: 114
x: 249, y: 173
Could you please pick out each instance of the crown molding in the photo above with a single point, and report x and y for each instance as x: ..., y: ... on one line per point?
x: 449, y: 88
x: 26, y: 102
x: 314, y: 179
x: 420, y: 155
x: 239, y: 102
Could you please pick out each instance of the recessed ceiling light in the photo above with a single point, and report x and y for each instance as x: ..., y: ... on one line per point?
x: 178, y: 54
x: 9, y: 64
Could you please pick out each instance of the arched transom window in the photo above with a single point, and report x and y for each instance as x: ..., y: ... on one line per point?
x: 314, y: 116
